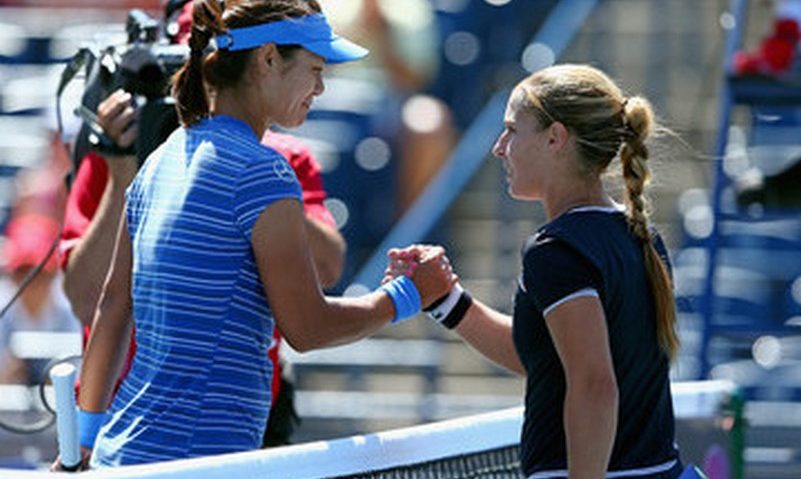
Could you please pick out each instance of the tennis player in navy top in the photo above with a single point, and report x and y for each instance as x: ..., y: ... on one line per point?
x: 593, y: 327
x: 212, y: 253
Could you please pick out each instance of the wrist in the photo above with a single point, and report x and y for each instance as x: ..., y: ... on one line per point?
x: 89, y: 424
x: 450, y: 310
x: 405, y: 297
x: 121, y: 170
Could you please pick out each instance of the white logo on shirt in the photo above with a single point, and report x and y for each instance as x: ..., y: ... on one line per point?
x: 284, y: 171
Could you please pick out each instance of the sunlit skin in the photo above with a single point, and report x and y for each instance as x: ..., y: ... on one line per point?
x: 273, y: 90
x: 542, y: 163
x: 520, y: 148
x: 302, y: 81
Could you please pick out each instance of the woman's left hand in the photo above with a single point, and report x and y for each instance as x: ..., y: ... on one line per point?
x: 86, y: 455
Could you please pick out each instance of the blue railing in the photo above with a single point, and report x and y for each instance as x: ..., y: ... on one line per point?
x: 559, y: 28
x: 734, y: 21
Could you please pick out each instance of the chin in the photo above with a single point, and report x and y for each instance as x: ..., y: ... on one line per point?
x: 291, y: 122
x: 520, y: 195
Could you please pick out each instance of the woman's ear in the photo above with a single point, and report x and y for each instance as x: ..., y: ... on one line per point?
x: 263, y: 62
x: 558, y: 136
x: 269, y: 55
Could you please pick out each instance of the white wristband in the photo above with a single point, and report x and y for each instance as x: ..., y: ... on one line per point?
x: 444, y: 309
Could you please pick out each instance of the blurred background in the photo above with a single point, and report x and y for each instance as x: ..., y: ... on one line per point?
x: 403, y: 140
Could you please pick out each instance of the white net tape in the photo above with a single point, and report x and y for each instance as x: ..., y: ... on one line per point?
x: 388, y: 449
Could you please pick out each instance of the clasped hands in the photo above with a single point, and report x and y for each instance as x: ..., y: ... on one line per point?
x: 427, y: 265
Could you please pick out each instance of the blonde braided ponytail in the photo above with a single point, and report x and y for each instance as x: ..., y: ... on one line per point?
x: 638, y: 123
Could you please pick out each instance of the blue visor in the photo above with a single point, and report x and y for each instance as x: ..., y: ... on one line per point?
x: 312, y: 32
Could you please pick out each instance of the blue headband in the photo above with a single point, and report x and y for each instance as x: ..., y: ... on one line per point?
x: 312, y: 32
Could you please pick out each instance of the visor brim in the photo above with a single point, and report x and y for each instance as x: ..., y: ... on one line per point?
x: 338, y: 50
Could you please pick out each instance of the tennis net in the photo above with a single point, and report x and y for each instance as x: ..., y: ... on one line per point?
x: 479, y: 446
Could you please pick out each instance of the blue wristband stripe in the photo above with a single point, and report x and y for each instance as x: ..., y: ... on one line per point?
x: 89, y: 424
x: 404, y: 295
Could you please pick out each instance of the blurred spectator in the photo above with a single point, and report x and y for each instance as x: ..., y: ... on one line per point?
x: 772, y: 185
x: 403, y: 61
x: 41, y: 191
x: 778, y: 52
x: 42, y: 306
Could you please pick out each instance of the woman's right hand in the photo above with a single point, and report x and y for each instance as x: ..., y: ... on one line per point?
x: 427, y: 265
x: 86, y: 455
x: 118, y: 116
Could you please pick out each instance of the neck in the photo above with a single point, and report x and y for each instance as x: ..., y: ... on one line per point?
x: 592, y: 194
x: 242, y: 107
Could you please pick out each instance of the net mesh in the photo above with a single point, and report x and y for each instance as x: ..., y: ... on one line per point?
x: 502, y: 463
x: 479, y: 446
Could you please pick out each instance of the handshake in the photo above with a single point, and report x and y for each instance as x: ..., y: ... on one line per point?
x: 428, y: 267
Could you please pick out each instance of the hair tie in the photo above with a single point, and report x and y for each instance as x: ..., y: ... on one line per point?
x: 628, y: 130
x: 623, y: 110
x: 198, y: 41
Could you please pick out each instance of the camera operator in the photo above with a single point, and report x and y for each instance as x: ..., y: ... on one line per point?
x: 96, y: 202
x: 94, y: 206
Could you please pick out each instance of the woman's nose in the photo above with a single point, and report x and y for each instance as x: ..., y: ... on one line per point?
x: 319, y: 88
x: 499, y: 148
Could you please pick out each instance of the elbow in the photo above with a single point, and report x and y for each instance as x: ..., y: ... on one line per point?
x: 302, y: 343
x: 301, y: 336
x: 600, y: 385
x: 114, y: 303
x: 603, y: 387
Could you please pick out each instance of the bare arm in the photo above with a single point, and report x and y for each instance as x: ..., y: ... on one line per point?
x: 90, y: 259
x: 111, y: 330
x: 308, y: 319
x: 328, y: 250
x: 578, y: 329
x: 490, y: 333
x: 403, y: 75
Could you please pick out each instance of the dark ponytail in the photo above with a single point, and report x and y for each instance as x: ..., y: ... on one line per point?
x: 189, y: 87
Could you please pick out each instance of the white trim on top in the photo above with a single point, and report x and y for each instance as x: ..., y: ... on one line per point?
x: 642, y: 471
x: 578, y: 294
x: 616, y: 208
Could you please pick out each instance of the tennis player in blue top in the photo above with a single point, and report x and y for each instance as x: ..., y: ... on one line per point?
x: 212, y: 253
x: 593, y: 323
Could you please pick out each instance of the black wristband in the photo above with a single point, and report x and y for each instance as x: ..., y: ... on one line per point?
x: 436, y: 303
x: 459, y: 311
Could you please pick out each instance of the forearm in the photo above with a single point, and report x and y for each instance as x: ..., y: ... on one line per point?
x: 328, y: 250
x: 90, y: 259
x: 338, y: 320
x: 308, y: 319
x: 590, y: 417
x: 105, y: 355
x: 490, y: 333
x: 111, y: 330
